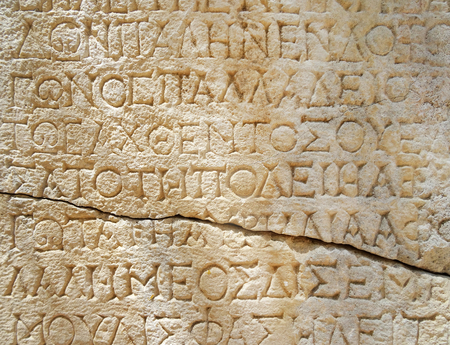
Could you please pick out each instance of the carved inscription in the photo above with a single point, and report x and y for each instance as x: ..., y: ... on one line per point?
x: 197, y: 172
x: 325, y: 119
x: 84, y: 277
x: 212, y: 109
x: 350, y: 179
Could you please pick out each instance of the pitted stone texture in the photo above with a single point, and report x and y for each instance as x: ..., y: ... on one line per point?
x: 75, y: 276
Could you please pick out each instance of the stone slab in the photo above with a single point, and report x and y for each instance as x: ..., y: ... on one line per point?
x: 77, y: 276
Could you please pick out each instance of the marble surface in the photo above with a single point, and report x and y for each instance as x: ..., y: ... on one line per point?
x: 237, y: 172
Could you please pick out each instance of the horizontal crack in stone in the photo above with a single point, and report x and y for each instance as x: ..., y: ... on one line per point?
x: 313, y: 240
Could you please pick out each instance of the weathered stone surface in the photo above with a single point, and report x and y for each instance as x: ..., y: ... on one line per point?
x: 77, y: 276
x: 197, y: 172
x: 326, y: 119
